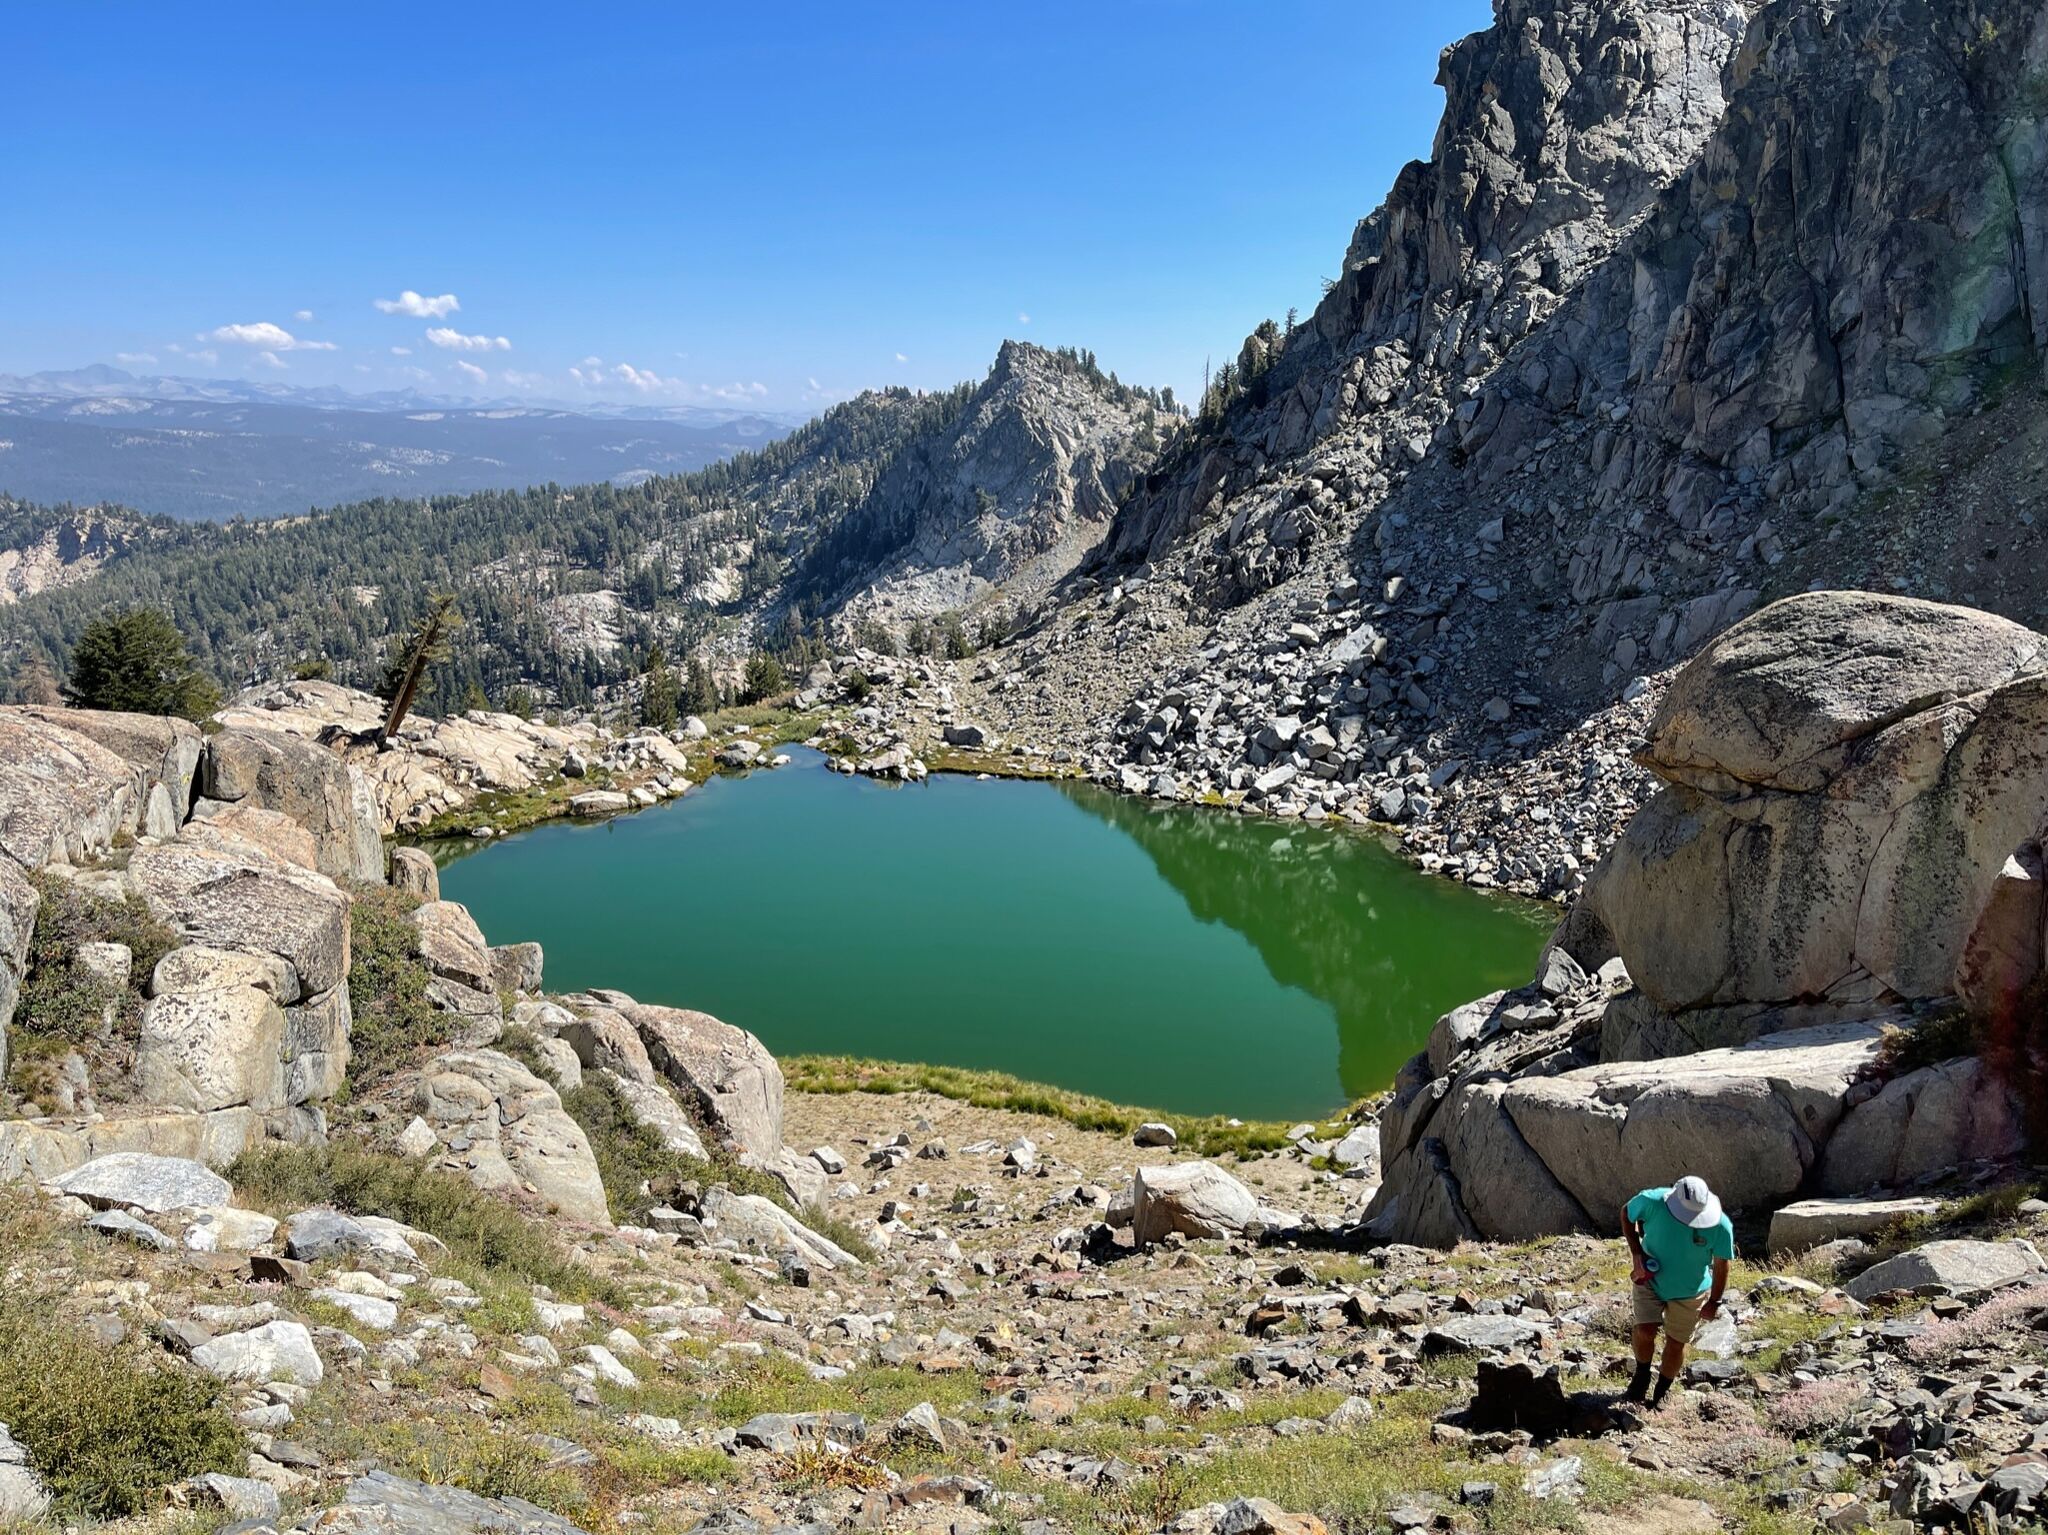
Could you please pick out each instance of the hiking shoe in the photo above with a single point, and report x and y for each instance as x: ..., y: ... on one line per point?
x: 1639, y: 1386
x: 1664, y: 1383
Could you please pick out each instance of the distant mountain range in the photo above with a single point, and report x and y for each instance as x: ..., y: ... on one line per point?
x: 211, y: 449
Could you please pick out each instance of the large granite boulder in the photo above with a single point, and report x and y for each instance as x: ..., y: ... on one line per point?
x: 379, y: 1503
x: 724, y: 1075
x: 1196, y: 1199
x: 229, y: 902
x: 452, y: 945
x: 505, y: 1129
x: 1957, y: 1267
x: 1923, y: 1123
x: 19, y: 902
x: 212, y: 1046
x: 1496, y: 1154
x: 274, y: 770
x: 1849, y: 774
x: 64, y: 798
x: 751, y: 1221
x: 134, y: 1180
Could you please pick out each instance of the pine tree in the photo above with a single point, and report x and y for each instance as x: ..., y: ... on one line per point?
x: 426, y: 646
x: 136, y: 661
x: 763, y: 679
x: 700, y: 691
x: 659, y: 695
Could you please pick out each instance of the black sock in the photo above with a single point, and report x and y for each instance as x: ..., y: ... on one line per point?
x: 1663, y: 1387
x: 1639, y: 1386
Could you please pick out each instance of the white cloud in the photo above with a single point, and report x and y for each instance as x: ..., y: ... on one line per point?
x: 137, y: 359
x: 472, y: 372
x: 593, y: 362
x: 209, y: 355
x: 1023, y: 318
x: 269, y: 337
x: 642, y: 379
x: 270, y: 360
x: 737, y: 392
x: 302, y: 315
x: 901, y: 358
x: 520, y: 380
x: 401, y: 351
x: 455, y: 341
x: 419, y: 307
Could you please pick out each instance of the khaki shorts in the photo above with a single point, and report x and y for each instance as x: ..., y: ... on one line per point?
x: 1678, y: 1318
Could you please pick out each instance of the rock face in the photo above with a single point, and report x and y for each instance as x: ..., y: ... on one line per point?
x: 1950, y: 1268
x: 725, y: 1075
x: 1856, y: 788
x: 272, y: 770
x: 1848, y: 775
x: 506, y: 1131
x: 1009, y: 493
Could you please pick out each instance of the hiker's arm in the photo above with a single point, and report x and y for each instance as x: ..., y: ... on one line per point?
x: 1641, y: 1275
x: 1712, y: 1308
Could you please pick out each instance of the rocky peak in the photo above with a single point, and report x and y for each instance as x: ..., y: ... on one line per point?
x: 1006, y: 494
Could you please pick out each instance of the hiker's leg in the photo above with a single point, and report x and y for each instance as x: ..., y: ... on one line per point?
x: 1645, y: 1340
x: 1674, y: 1358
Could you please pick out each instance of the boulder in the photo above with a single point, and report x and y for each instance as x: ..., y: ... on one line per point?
x: 1924, y: 1122
x: 752, y: 1221
x: 1751, y: 1120
x: 1776, y: 700
x: 212, y: 1049
x: 247, y: 831
x: 276, y: 1351
x: 43, y: 1151
x: 19, y: 903
x: 1196, y: 1199
x: 165, y: 751
x: 413, y: 871
x: 1807, y: 1223
x: 1850, y: 775
x: 653, y: 1106
x: 252, y: 906
x: 1959, y: 1268
x: 598, y: 802
x: 63, y: 797
x: 605, y: 1040
x: 515, y: 1138
x: 452, y: 945
x: 24, y: 1500
x: 312, y: 1235
x: 382, y: 1504
x: 516, y: 966
x: 725, y: 1075
x: 135, y: 1180
x: 223, y: 1229
x: 276, y: 771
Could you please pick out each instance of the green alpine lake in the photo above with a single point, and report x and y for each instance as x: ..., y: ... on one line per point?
x: 1181, y: 958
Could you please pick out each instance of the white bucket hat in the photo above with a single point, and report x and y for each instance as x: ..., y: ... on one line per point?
x: 1692, y: 1203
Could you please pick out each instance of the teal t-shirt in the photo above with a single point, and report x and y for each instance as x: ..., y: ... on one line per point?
x: 1682, y: 1255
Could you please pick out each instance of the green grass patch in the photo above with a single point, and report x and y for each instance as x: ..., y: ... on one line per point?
x: 1209, y: 1137
x: 106, y: 1427
x: 492, y: 1236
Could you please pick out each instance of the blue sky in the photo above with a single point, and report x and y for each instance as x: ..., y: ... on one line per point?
x: 777, y: 204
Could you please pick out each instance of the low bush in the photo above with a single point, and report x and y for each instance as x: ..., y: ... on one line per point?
x: 106, y: 1428
x: 60, y: 998
x: 394, y: 1023
x: 491, y: 1235
x: 633, y: 1160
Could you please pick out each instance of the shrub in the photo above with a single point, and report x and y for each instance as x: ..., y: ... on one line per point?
x: 1978, y: 1327
x: 60, y: 998
x: 106, y: 1429
x: 491, y: 1235
x: 631, y: 1155
x: 394, y: 1023
x: 1814, y: 1405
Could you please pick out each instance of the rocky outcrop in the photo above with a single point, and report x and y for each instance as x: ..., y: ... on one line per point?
x: 312, y: 787
x: 1856, y: 789
x: 434, y: 766
x: 723, y: 1075
x: 504, y: 1129
x: 1008, y: 495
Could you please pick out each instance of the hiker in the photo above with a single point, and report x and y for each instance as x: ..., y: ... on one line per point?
x: 1677, y: 1235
